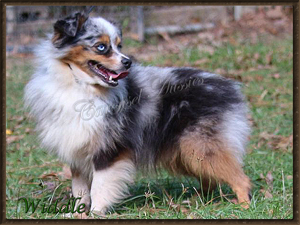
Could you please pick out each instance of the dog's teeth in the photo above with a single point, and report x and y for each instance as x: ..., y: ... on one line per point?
x: 110, y: 77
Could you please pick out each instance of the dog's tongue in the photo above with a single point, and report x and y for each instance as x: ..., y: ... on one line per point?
x: 117, y: 76
x: 120, y: 75
x: 113, y: 74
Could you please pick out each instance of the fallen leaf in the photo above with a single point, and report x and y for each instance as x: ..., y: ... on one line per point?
x: 8, y: 132
x: 264, y: 67
x: 11, y: 139
x: 201, y: 61
x: 207, y: 48
x: 277, y: 142
x: 80, y: 216
x: 234, y: 216
x: 18, y: 118
x: 52, y: 174
x: 186, y: 202
x: 272, y: 30
x: 263, y: 95
x: 269, y: 58
x: 262, y: 176
x: 28, y: 130
x: 266, y: 193
x: 258, y: 78
x: 236, y: 72
x: 184, y: 210
x: 18, y: 126
x: 220, y: 71
x: 191, y: 216
x: 269, y: 180
x: 217, y: 203
x: 275, y: 13
x: 66, y: 173
x: 49, y: 185
x: 284, y: 142
x: 165, y: 36
x: 264, y: 135
x: 256, y: 56
x: 206, y: 36
x: 234, y: 201
x: 133, y: 36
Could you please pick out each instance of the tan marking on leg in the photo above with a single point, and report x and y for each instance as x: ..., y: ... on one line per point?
x: 172, y: 162
x: 208, y: 157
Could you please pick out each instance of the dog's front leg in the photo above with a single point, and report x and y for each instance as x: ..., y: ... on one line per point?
x: 80, y: 188
x: 110, y: 183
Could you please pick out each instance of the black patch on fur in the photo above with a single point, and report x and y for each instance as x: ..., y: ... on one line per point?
x: 185, y: 73
x: 127, y: 112
x: 69, y: 30
x: 89, y: 38
x: 136, y: 100
x: 250, y: 195
x: 108, y: 53
x: 179, y: 110
x: 104, y: 159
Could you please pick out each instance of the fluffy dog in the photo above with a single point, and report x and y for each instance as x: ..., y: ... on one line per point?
x: 107, y: 116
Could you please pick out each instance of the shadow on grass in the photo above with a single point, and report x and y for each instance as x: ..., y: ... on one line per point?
x: 171, y: 191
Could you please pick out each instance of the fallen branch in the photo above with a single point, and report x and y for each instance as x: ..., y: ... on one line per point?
x: 31, y: 167
x: 173, y: 29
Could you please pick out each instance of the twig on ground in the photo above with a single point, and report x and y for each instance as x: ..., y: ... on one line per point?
x: 31, y: 167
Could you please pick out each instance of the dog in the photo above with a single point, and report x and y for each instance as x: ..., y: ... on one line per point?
x: 108, y: 116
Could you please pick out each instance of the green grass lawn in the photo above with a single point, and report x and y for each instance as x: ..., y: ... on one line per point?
x: 264, y: 68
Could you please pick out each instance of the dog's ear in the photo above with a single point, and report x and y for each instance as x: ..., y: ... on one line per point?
x: 67, y: 28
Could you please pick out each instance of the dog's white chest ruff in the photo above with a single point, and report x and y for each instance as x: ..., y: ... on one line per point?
x: 68, y: 120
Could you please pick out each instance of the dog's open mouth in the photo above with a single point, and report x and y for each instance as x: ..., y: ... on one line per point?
x: 108, y: 76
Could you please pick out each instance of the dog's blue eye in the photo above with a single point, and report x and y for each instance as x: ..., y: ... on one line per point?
x: 101, y: 47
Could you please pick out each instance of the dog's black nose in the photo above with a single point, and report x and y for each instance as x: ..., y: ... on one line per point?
x: 126, y: 62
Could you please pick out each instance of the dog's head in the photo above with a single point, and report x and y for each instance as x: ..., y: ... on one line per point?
x: 91, y: 48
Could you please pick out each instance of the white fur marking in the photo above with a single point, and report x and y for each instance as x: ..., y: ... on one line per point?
x: 110, y: 185
x: 236, y: 130
x: 81, y: 190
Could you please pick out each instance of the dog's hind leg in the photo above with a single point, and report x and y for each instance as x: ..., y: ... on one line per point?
x: 224, y: 168
x: 211, y: 158
x: 110, y: 184
x: 206, y: 184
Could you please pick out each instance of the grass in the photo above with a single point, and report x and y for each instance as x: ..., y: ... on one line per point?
x: 265, y: 69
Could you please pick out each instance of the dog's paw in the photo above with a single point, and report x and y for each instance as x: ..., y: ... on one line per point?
x: 81, y: 216
x: 87, y: 203
x: 244, y: 204
x: 75, y: 215
x: 97, y: 214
